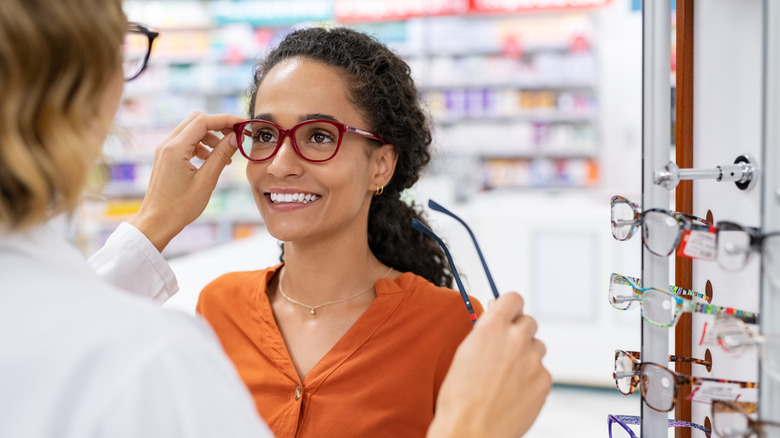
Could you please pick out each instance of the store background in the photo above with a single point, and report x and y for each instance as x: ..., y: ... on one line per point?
x: 538, y: 124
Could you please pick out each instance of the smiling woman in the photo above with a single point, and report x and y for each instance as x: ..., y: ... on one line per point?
x: 359, y: 317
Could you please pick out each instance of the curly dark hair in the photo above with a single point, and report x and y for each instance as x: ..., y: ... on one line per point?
x: 383, y: 91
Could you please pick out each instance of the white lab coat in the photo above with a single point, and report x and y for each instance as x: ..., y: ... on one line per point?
x: 80, y: 358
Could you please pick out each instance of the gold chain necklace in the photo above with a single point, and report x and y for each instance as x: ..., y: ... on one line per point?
x: 313, y: 309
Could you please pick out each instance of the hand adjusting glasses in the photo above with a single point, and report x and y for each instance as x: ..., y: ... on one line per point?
x: 419, y: 226
x: 315, y: 140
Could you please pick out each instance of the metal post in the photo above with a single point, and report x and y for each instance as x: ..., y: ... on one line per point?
x: 769, y: 389
x: 656, y: 151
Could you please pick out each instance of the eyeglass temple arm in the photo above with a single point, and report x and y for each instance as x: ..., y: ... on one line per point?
x: 684, y: 379
x: 435, y: 206
x: 634, y: 419
x: 711, y: 309
x: 417, y: 225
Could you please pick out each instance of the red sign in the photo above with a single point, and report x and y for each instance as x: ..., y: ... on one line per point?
x: 376, y: 10
x: 387, y: 10
x: 514, y: 6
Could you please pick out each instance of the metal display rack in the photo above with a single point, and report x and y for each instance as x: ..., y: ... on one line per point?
x: 769, y: 393
x: 656, y: 149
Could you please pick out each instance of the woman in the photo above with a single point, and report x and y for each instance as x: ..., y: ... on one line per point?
x: 81, y: 358
x: 78, y: 357
x: 353, y: 334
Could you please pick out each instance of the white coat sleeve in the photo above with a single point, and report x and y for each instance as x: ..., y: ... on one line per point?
x: 131, y: 262
x: 184, y: 387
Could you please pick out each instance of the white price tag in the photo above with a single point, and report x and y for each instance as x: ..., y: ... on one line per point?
x: 709, y: 338
x: 698, y: 244
x: 709, y: 391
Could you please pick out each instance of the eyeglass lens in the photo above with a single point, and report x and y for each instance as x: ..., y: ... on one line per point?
x: 734, y: 337
x: 623, y: 222
x: 625, y: 376
x: 661, y: 232
x: 733, y: 249
x: 728, y: 421
x: 621, y: 294
x: 657, y: 385
x: 315, y: 141
x: 658, y: 307
x: 656, y: 382
x: 135, y: 52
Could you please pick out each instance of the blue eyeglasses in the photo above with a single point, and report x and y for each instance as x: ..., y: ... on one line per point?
x: 419, y: 226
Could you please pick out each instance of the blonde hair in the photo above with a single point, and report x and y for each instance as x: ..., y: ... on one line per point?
x: 56, y: 60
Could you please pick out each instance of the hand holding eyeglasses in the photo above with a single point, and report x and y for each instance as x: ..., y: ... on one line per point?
x: 496, y: 384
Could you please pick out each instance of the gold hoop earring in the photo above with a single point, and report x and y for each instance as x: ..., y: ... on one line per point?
x: 379, y: 190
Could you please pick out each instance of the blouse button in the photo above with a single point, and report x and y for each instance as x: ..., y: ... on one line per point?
x: 298, y: 392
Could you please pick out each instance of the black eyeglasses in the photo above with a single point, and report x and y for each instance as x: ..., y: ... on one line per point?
x: 419, y: 226
x: 136, y: 49
x: 736, y: 243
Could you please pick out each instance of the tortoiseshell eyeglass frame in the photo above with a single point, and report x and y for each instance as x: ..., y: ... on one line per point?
x: 755, y: 427
x: 639, y: 371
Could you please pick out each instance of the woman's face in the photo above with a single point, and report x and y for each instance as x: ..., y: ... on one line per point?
x: 331, y: 198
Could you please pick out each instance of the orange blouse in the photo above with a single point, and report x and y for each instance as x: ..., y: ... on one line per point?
x: 381, y: 378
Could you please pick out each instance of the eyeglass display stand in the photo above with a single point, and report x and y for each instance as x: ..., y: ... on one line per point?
x: 744, y: 173
x: 769, y: 390
x: 656, y: 149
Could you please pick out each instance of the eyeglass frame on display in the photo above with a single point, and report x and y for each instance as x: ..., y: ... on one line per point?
x: 635, y: 357
x: 419, y: 226
x: 676, y: 290
x: 342, y: 128
x: 151, y: 35
x: 756, y: 245
x: 625, y: 420
x: 638, y: 369
x: 754, y: 426
x: 681, y: 305
x: 685, y: 221
x: 754, y: 340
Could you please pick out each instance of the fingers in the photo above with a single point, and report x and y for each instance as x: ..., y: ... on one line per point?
x: 198, y: 127
x: 525, y: 327
x: 508, y: 306
x: 219, y: 157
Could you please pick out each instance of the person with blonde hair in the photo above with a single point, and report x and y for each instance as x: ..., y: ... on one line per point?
x: 80, y: 357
